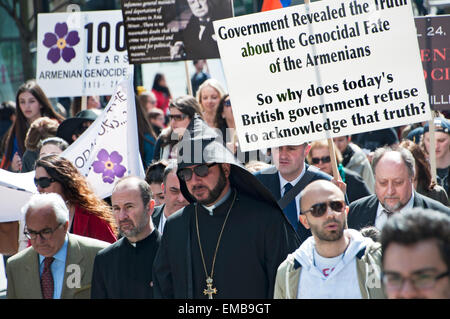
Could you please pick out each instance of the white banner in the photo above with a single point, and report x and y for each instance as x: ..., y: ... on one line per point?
x: 322, y: 70
x: 105, y: 152
x: 109, y: 148
x: 81, y: 53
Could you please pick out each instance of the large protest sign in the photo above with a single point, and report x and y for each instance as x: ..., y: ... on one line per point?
x: 326, y: 69
x: 84, y: 50
x: 159, y: 31
x: 434, y: 37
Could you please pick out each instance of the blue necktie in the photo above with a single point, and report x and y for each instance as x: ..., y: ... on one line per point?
x: 291, y: 209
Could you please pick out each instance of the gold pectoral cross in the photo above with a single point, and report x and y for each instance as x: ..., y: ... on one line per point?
x: 210, y: 290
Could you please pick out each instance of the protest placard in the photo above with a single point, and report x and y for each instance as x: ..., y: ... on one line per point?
x: 109, y: 148
x: 169, y: 30
x: 433, y: 34
x: 322, y: 70
x: 80, y: 53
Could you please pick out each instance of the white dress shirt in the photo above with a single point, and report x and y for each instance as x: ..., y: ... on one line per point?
x: 382, y: 217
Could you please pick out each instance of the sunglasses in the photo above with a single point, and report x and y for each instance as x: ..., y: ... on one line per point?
x: 319, y: 209
x: 185, y: 174
x: 317, y: 160
x: 44, y: 182
x: 177, y: 117
x: 227, y: 103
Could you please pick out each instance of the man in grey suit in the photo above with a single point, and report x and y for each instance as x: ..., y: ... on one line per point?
x: 394, y: 169
x: 58, y: 265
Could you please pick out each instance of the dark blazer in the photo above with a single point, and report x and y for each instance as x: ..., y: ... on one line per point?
x: 356, y: 187
x: 270, y: 179
x: 364, y: 211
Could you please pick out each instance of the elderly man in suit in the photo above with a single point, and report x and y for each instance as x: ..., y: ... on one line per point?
x: 58, y: 265
x: 394, y: 169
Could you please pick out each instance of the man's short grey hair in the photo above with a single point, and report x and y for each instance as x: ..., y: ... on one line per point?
x: 52, y: 200
x: 407, y: 157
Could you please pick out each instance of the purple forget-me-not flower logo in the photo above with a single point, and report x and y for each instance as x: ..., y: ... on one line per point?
x: 61, y: 43
x: 109, y: 165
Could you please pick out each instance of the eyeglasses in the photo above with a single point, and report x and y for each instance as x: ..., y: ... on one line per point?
x: 319, y: 209
x: 44, y: 182
x: 177, y: 117
x: 185, y: 174
x: 227, y: 103
x: 395, y: 281
x: 45, y: 234
x: 317, y: 160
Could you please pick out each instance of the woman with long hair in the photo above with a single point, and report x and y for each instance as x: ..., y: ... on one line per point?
x: 162, y: 92
x: 88, y: 215
x: 208, y: 95
x: 182, y: 111
x: 32, y: 103
x: 422, y: 178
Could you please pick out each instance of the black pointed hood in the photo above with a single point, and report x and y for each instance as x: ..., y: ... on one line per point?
x: 202, y: 144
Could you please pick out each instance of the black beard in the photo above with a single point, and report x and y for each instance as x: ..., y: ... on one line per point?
x: 334, y: 236
x: 217, y: 190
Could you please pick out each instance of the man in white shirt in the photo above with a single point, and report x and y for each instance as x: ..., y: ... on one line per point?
x: 335, y: 262
x: 290, y: 168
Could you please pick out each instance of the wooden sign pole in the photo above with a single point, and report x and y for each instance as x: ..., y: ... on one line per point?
x: 188, y: 79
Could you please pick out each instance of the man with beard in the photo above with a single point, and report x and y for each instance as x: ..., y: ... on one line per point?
x: 335, y: 262
x: 394, y: 169
x: 230, y: 239
x: 124, y: 269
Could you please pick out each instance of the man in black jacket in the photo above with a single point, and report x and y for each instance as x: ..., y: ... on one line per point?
x: 231, y: 238
x: 394, y: 191
x: 123, y: 270
x: 290, y: 168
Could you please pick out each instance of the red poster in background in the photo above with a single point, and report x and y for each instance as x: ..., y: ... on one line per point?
x: 433, y: 34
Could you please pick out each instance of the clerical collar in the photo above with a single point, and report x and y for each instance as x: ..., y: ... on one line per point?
x: 134, y: 244
x: 211, y: 208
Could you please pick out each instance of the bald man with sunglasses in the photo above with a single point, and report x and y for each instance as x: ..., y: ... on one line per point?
x: 335, y: 262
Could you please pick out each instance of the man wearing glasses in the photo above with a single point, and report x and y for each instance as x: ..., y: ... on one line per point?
x: 416, y: 255
x: 58, y: 265
x: 230, y: 239
x: 335, y: 262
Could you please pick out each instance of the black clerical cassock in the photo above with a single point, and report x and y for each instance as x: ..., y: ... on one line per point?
x: 256, y: 238
x: 124, y: 270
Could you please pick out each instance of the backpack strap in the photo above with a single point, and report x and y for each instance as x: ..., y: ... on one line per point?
x: 305, y: 180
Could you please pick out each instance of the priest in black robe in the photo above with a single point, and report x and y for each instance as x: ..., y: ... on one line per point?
x: 231, y: 238
x: 124, y: 269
